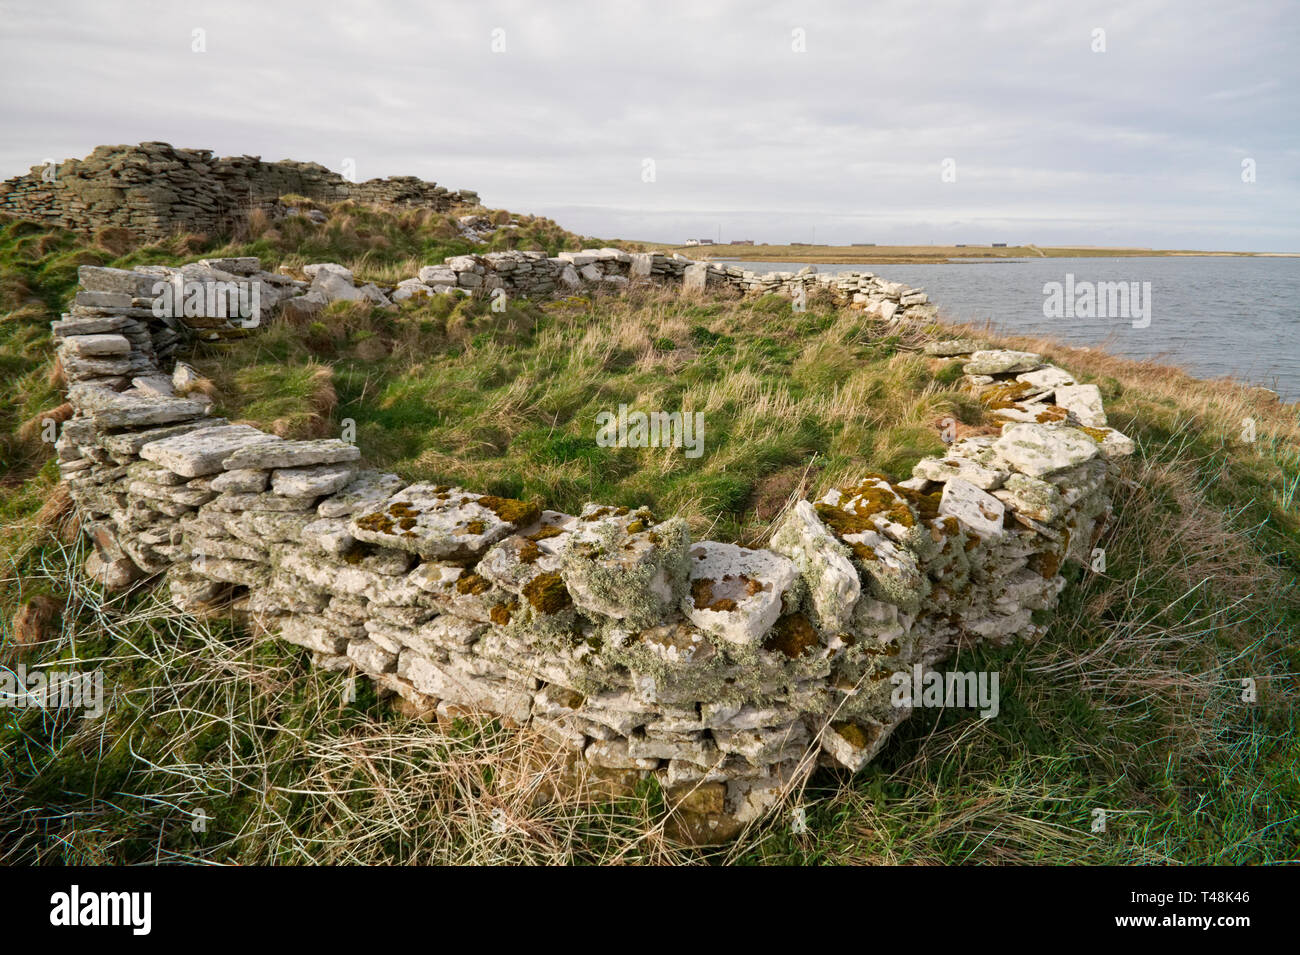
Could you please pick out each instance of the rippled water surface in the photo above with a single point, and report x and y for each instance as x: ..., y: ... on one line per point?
x: 1211, y: 315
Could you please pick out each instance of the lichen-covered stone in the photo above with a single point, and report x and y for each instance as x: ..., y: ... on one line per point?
x: 1036, y: 449
x: 976, y: 510
x: 823, y: 562
x: 443, y: 523
x: 1001, y: 362
x: 200, y: 452
x: 311, y: 481
x: 737, y: 593
x: 625, y: 565
x: 955, y: 466
x: 275, y: 453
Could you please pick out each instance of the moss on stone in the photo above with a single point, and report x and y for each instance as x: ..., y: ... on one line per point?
x: 547, y: 594
x: 852, y: 734
x: 792, y: 635
x: 510, y: 510
x: 1005, y: 394
x: 501, y: 613
x: 472, y: 583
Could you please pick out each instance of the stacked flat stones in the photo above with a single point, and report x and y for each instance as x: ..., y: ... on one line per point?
x: 726, y: 672
x: 154, y: 190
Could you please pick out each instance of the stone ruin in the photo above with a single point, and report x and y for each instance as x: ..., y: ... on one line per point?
x: 154, y: 190
x: 726, y: 672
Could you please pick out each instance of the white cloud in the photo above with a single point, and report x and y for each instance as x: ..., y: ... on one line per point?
x: 1053, y: 143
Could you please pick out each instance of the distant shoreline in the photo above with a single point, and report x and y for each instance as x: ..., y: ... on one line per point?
x: 932, y: 254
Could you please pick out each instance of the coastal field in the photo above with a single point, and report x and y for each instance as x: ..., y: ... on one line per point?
x: 1133, y: 702
x: 916, y: 254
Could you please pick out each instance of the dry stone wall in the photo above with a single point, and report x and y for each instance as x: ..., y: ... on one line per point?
x: 154, y: 190
x: 728, y: 673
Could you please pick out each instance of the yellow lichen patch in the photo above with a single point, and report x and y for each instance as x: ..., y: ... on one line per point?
x: 1051, y: 413
x: 510, y: 510
x: 1005, y: 394
x: 378, y: 522
x: 870, y: 498
x: 927, y: 505
x: 472, y: 583
x: 702, y: 595
x: 1047, y: 563
x: 1097, y: 434
x: 550, y: 530
x: 475, y: 527
x: 863, y: 551
x: 547, y: 593
x: 852, y: 734
x: 792, y: 635
x: 501, y: 613
x: 529, y: 552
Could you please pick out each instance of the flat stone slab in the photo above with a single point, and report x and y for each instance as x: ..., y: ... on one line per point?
x: 277, y: 453
x: 1046, y: 379
x: 241, y: 481
x: 953, y: 466
x: 123, y: 410
x: 131, y: 443
x: 976, y: 510
x: 1038, y: 449
x: 1084, y: 402
x: 951, y: 347
x: 1001, y: 362
x: 367, y: 490
x: 1032, y: 497
x: 311, y: 481
x: 736, y: 592
x: 201, y: 452
x: 438, y: 522
x: 95, y: 325
x: 85, y: 346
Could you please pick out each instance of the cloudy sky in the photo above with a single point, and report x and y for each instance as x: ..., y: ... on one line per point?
x: 774, y: 121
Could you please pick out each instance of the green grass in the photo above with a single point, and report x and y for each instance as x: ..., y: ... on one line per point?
x: 38, y: 274
x: 1131, y: 703
x: 507, y: 402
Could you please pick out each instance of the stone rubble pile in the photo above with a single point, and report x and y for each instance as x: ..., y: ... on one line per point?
x: 726, y: 672
x: 154, y: 190
x: 535, y: 275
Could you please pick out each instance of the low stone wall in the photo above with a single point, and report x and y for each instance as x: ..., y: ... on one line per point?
x: 729, y: 673
x: 154, y: 190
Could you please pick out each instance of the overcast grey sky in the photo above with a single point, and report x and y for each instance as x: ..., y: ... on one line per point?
x: 1050, y: 142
